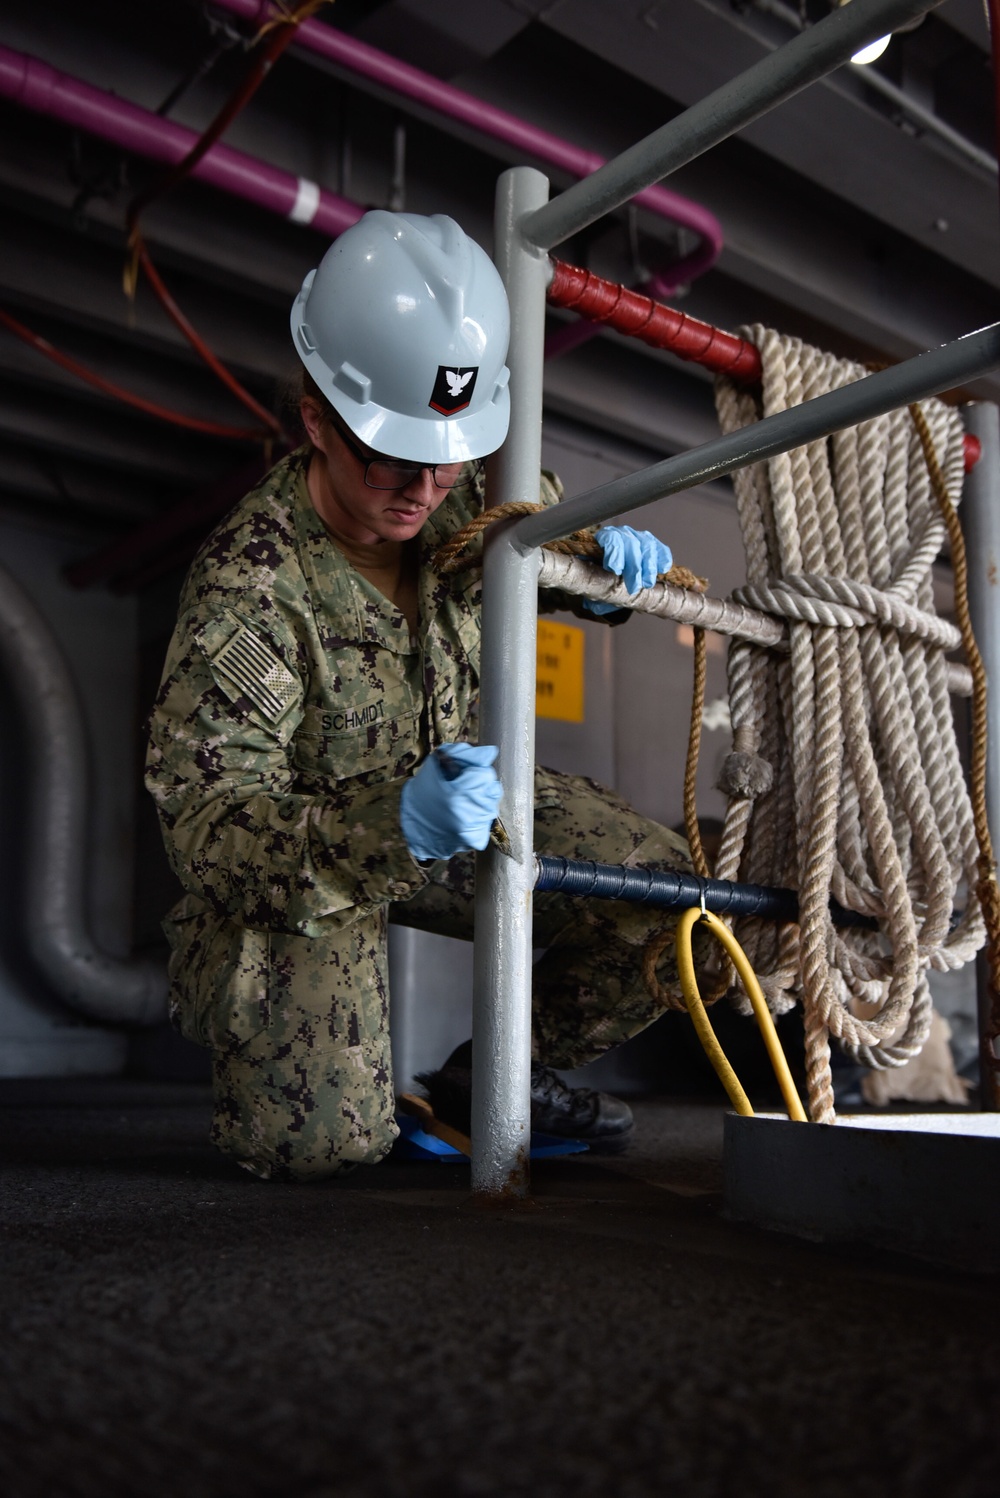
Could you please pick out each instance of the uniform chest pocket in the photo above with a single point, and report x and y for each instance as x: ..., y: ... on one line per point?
x: 346, y: 742
x: 464, y: 614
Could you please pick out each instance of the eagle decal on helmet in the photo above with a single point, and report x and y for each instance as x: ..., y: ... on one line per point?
x: 452, y: 389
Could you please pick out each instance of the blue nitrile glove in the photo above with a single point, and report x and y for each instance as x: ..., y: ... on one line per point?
x: 637, y: 557
x: 451, y: 802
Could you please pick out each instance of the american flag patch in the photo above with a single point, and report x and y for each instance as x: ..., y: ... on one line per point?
x: 255, y: 669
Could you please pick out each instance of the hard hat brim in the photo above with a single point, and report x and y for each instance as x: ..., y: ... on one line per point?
x: 417, y: 439
x: 452, y: 439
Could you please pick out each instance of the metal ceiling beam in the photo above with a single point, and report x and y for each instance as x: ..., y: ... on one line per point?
x: 829, y: 134
x: 778, y: 239
x: 126, y: 444
x: 444, y: 39
x: 756, y: 92
x: 168, y: 381
x: 78, y: 279
x: 648, y: 401
x: 871, y: 283
x: 969, y: 18
x: 236, y: 267
x: 40, y: 479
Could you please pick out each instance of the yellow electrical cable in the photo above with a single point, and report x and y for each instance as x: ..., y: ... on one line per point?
x: 702, y: 1024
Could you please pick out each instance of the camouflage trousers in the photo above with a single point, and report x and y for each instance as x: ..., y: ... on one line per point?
x: 311, y: 1093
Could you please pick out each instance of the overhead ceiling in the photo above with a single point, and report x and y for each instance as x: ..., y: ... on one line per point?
x: 846, y: 220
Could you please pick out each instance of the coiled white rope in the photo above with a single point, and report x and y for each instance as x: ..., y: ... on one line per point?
x: 845, y: 775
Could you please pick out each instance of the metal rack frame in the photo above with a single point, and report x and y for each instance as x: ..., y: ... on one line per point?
x: 528, y: 225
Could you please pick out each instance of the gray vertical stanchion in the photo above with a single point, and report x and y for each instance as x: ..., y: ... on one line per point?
x: 501, y: 1023
x: 981, y: 524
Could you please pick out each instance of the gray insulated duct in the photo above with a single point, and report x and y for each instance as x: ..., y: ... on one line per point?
x: 102, y: 987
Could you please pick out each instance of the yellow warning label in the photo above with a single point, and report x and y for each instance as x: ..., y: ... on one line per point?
x: 559, y: 682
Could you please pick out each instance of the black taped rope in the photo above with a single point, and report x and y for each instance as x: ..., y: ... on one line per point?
x: 675, y: 891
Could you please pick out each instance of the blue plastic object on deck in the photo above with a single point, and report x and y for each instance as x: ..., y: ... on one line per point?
x: 415, y: 1143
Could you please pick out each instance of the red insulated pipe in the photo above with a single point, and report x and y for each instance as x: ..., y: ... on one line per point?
x: 151, y: 408
x: 641, y: 317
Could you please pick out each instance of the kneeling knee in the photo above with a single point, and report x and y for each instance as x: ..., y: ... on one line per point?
x: 290, y: 1157
x: 309, y: 1146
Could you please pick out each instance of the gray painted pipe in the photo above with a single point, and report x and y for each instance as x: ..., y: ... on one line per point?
x: 501, y: 1016
x: 779, y: 76
x: 104, y: 988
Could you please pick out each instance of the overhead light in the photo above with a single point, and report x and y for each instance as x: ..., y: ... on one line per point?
x: 874, y: 49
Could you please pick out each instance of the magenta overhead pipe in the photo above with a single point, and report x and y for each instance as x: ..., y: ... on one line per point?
x: 35, y: 85
x: 357, y: 57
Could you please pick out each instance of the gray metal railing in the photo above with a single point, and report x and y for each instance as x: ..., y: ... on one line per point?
x: 527, y: 226
x: 944, y: 368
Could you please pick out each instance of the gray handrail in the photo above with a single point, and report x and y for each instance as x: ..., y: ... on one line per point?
x: 526, y: 227
x: 914, y: 380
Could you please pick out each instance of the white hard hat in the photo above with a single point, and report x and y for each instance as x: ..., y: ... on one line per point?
x: 404, y: 327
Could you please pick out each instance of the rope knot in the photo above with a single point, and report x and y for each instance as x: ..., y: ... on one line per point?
x: 745, y: 775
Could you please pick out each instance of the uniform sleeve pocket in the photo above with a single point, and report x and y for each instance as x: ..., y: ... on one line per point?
x: 248, y: 670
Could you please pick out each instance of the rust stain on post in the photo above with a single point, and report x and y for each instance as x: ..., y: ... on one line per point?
x: 513, y: 1191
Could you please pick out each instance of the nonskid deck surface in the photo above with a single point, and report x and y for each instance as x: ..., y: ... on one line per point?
x: 171, y: 1325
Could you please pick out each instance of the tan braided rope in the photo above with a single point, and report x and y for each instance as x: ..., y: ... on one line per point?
x: 698, y: 859
x: 986, y: 886
x: 454, y: 555
x: 660, y: 941
x: 845, y: 775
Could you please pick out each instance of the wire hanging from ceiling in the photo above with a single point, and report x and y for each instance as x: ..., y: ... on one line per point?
x: 271, y: 40
x: 108, y: 387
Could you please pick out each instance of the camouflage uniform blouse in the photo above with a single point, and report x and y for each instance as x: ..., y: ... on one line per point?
x: 293, y: 707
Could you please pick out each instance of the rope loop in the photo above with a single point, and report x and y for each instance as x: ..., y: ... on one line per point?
x: 667, y: 997
x: 864, y: 794
x: 839, y: 603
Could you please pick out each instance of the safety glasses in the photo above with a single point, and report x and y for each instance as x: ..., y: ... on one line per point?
x: 395, y: 473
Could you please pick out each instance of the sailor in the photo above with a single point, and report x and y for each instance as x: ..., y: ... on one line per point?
x: 313, y: 751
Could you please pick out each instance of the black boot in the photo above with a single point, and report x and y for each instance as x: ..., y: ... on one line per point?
x: 600, y: 1120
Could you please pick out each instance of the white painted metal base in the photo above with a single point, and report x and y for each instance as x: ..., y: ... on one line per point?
x: 919, y: 1183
